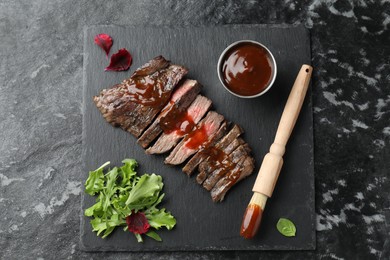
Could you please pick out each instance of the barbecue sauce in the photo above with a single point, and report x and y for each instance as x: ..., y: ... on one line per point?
x: 177, y: 120
x: 216, y: 154
x: 146, y: 91
x: 251, y: 221
x: 246, y: 69
x: 197, y: 137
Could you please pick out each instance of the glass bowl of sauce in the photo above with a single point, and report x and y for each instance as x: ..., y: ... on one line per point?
x: 247, y: 69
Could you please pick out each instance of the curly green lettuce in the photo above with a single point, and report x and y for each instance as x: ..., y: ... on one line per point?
x: 120, y: 193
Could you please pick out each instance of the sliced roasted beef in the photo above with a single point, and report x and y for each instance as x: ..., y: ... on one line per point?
x: 218, y: 153
x: 194, y: 114
x: 180, y: 100
x: 226, y: 166
x: 133, y: 104
x: 219, y: 162
x: 151, y: 67
x: 241, y: 170
x: 197, y: 139
x: 235, y: 132
x: 146, y: 97
x: 205, y: 152
x: 218, y: 159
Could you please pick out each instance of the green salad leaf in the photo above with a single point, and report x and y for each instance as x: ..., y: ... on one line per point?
x: 95, y: 181
x: 120, y: 192
x: 160, y: 218
x: 286, y: 227
x: 145, y: 192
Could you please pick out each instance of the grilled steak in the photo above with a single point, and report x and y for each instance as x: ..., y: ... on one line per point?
x: 226, y: 166
x: 203, y: 153
x: 242, y: 170
x: 218, y: 153
x: 218, y: 163
x: 181, y: 98
x: 133, y: 104
x: 151, y: 100
x: 195, y: 112
x: 196, y: 139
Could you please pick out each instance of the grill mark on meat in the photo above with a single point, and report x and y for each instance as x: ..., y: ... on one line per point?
x: 203, y: 153
x: 226, y: 166
x: 211, y: 164
x: 229, y: 143
x: 241, y: 171
x: 166, y: 142
x: 219, y: 166
x: 122, y: 107
x: 181, y: 98
x: 183, y: 151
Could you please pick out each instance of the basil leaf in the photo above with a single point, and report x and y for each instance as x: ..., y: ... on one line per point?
x: 286, y: 227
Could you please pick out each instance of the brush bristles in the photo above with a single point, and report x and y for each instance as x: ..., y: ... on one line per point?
x: 259, y: 199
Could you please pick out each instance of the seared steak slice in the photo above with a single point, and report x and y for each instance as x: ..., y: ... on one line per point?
x: 196, y: 139
x: 228, y: 142
x: 196, y: 111
x: 235, y: 132
x: 243, y: 169
x: 181, y: 98
x: 133, y: 104
x: 203, y: 153
x: 227, y: 165
x: 216, y: 159
x: 152, y: 66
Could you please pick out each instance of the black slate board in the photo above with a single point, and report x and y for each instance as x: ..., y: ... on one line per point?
x: 202, y: 224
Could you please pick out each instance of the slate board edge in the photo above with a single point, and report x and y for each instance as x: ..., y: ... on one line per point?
x: 308, y: 246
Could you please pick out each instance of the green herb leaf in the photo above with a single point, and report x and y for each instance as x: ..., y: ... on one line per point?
x: 153, y: 235
x: 160, y: 218
x: 95, y: 181
x: 110, y: 188
x: 128, y: 171
x: 286, y: 227
x: 145, y: 192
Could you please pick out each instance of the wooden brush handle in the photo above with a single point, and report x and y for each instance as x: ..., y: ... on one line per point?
x: 293, y: 105
x: 273, y: 161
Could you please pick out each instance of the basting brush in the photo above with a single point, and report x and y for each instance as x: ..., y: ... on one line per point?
x: 273, y: 161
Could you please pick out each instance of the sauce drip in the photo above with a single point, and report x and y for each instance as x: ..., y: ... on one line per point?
x: 177, y: 120
x: 197, y: 137
x: 251, y: 221
x: 246, y: 69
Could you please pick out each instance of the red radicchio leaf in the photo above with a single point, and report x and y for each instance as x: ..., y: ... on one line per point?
x: 104, y: 41
x: 120, y: 61
x: 137, y: 223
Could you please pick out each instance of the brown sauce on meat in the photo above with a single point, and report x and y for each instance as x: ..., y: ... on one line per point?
x: 197, y: 137
x: 251, y: 221
x: 246, y: 69
x: 177, y: 120
x: 215, y: 154
x: 146, y: 91
x: 218, y: 160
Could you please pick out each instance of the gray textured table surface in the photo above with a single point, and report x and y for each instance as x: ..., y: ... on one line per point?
x: 41, y: 52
